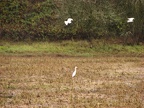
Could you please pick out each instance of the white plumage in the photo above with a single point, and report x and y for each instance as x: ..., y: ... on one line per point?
x: 66, y: 23
x: 74, y: 73
x: 130, y: 20
x: 69, y: 21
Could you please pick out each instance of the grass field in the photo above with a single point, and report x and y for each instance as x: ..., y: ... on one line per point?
x: 38, y: 75
x: 45, y: 82
x: 71, y: 48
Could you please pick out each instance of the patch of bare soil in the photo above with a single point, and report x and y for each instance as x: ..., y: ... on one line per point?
x: 45, y: 81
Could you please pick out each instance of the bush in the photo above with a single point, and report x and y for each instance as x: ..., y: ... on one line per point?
x: 44, y: 19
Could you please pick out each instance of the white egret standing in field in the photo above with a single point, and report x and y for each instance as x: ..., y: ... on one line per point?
x: 74, y: 73
x: 69, y: 21
x: 73, y: 90
x: 130, y: 20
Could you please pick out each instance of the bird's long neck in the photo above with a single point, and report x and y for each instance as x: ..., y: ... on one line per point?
x: 75, y: 68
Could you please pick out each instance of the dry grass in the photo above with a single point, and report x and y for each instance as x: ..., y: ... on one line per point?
x: 45, y: 82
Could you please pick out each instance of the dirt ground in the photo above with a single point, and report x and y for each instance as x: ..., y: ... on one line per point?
x: 46, y: 82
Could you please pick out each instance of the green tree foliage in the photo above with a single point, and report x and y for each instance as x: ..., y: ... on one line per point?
x: 92, y: 19
x: 27, y: 19
x: 134, y: 8
x: 44, y: 19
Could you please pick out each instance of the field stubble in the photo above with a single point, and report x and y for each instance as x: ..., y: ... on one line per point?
x: 45, y: 81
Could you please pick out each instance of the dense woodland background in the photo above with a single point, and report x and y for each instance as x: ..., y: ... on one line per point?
x: 44, y: 20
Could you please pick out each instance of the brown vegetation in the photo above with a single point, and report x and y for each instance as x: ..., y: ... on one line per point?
x: 45, y: 81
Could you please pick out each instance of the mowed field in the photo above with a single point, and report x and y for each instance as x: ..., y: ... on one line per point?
x: 46, y: 82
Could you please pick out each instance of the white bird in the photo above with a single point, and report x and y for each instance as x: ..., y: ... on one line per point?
x: 74, y: 73
x: 69, y: 21
x: 130, y: 20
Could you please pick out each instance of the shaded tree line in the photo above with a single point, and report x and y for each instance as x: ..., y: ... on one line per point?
x: 44, y: 19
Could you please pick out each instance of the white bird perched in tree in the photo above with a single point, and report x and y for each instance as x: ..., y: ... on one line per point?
x: 130, y: 20
x: 69, y: 21
x: 74, y: 73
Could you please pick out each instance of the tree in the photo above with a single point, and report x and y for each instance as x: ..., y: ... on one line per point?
x: 134, y: 8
